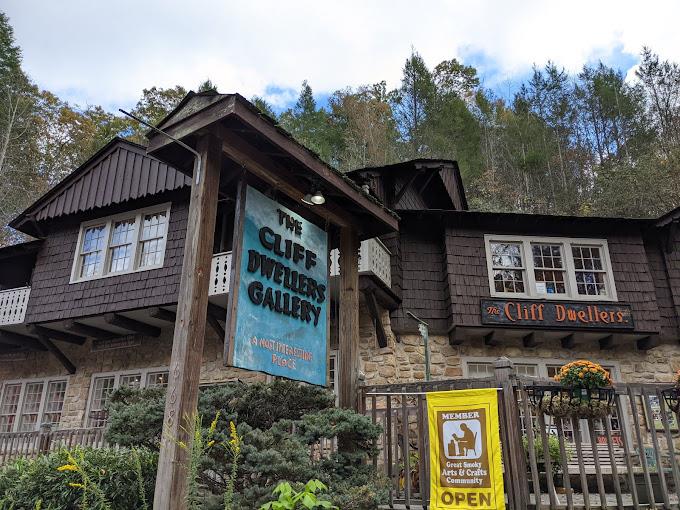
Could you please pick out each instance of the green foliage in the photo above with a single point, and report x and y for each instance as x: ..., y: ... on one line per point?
x: 291, y: 499
x: 553, y: 451
x: 27, y: 484
x: 277, y: 423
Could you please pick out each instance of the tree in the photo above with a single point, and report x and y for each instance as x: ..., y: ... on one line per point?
x: 410, y: 103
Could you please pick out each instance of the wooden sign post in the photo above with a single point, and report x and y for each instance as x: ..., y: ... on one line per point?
x: 187, y: 344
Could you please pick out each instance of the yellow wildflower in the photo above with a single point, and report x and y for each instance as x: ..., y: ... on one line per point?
x: 68, y: 467
x: 77, y: 485
x: 211, y: 443
x: 213, y: 424
x: 182, y: 444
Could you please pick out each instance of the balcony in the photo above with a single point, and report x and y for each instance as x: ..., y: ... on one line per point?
x: 374, y: 259
x: 13, y: 304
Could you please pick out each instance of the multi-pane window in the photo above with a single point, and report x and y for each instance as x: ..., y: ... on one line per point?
x: 92, y: 251
x: 590, y: 272
x: 9, y: 406
x: 486, y: 369
x: 333, y: 374
x: 508, y: 267
x: 120, y: 247
x: 551, y: 267
x: 104, y: 384
x: 26, y: 405
x: 153, y: 239
x: 122, y: 244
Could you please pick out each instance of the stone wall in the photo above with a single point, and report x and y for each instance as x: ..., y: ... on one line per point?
x: 153, y: 352
x: 403, y: 360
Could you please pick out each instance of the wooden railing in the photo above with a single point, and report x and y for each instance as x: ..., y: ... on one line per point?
x: 13, y: 304
x: 374, y: 258
x: 629, y: 459
x: 14, y: 445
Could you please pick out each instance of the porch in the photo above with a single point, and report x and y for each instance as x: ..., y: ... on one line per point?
x: 627, y: 460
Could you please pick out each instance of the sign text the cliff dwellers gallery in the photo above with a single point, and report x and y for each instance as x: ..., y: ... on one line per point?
x: 555, y: 314
x: 281, y: 294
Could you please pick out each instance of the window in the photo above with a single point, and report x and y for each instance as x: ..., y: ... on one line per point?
x: 122, y: 244
x: 26, y: 405
x: 485, y: 369
x: 550, y: 267
x: 104, y: 384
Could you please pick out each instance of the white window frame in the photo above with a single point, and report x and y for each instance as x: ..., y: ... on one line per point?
x: 566, y: 243
x: 108, y: 222
x: 143, y: 372
x: 335, y: 355
x: 43, y: 399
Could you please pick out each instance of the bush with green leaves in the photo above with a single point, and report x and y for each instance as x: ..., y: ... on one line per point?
x: 125, y: 478
x: 277, y: 422
x: 553, y: 451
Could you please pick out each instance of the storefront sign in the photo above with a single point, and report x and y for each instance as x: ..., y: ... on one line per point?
x: 281, y: 293
x: 554, y: 314
x: 465, y: 450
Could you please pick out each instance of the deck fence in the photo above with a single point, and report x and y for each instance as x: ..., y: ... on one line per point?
x: 31, y: 444
x: 626, y: 460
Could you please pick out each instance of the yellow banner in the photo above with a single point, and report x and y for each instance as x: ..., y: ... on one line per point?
x: 465, y: 450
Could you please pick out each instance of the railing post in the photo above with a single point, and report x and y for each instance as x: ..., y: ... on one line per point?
x: 513, y: 451
x: 44, y: 439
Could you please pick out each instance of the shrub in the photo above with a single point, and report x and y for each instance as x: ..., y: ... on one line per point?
x: 27, y: 484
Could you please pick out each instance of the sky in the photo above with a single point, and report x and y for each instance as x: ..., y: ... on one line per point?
x: 90, y: 52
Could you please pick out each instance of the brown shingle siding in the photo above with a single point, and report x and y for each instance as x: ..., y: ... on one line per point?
x: 54, y: 298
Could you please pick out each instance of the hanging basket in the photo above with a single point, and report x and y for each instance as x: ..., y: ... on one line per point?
x: 672, y: 398
x: 563, y: 402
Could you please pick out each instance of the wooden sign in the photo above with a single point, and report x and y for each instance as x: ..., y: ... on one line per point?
x: 553, y: 314
x: 277, y: 320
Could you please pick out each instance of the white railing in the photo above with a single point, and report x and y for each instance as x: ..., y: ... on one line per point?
x: 374, y: 258
x: 13, y: 303
x: 220, y: 272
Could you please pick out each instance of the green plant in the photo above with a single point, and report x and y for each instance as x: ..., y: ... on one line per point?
x: 101, y: 478
x: 583, y: 374
x: 290, y: 499
x: 553, y: 451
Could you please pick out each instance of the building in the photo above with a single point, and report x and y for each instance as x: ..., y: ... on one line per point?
x: 91, y: 304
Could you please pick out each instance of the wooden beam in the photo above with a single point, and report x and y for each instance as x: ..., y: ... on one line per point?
x: 162, y: 314
x: 313, y: 163
x: 189, y: 333
x: 529, y: 341
x: 60, y: 336
x: 217, y: 311
x: 120, y: 321
x: 215, y: 324
x: 406, y: 185
x: 454, y: 338
x: 56, y: 352
x: 348, y: 299
x: 263, y: 167
x: 375, y: 315
x: 490, y: 339
x: 569, y: 341
x: 648, y: 342
x: 89, y: 331
x: 11, y: 338
x: 607, y: 342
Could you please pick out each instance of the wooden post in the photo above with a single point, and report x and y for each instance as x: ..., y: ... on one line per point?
x: 514, y: 456
x: 348, y: 343
x: 187, y: 344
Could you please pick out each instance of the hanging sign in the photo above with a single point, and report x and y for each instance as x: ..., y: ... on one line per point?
x: 280, y: 293
x: 465, y: 450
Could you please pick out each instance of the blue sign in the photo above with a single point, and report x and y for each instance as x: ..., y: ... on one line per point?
x: 281, y: 317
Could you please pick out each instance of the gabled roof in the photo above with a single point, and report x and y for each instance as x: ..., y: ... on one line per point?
x: 118, y: 172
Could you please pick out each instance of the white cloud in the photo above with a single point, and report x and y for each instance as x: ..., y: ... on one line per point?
x: 105, y: 53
